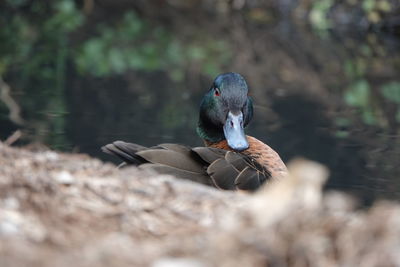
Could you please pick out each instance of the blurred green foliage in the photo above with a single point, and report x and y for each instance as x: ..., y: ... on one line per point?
x: 391, y: 91
x: 359, y: 95
x: 364, y: 13
x: 370, y: 99
x: 358, y: 92
x: 132, y: 43
x: 319, y: 14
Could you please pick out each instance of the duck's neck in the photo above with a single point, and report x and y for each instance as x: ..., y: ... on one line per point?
x: 209, y: 133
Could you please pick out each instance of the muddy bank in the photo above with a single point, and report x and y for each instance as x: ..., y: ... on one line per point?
x: 63, y: 209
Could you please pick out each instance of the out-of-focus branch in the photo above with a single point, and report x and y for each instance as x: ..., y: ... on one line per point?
x: 88, y: 6
x: 13, y: 138
x: 15, y: 111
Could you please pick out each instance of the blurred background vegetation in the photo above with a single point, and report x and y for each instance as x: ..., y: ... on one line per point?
x: 325, y: 75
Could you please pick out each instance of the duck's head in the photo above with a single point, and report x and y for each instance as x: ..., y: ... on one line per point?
x: 225, y: 110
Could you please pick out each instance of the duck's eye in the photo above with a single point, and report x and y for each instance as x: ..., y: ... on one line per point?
x: 217, y: 92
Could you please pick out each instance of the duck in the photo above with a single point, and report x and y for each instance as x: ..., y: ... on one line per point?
x: 229, y: 159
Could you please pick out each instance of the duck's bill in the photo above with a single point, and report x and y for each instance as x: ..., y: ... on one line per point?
x: 234, y: 132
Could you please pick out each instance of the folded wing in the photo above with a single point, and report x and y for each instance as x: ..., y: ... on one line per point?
x: 211, y: 166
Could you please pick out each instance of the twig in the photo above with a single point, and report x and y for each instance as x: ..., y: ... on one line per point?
x: 15, y: 111
x: 12, y: 138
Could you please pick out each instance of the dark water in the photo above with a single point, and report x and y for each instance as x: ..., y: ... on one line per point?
x: 328, y: 96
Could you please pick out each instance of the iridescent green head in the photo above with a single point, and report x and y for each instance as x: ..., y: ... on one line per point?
x: 225, y: 110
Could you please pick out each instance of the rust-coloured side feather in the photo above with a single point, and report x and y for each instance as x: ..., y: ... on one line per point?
x: 260, y: 152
